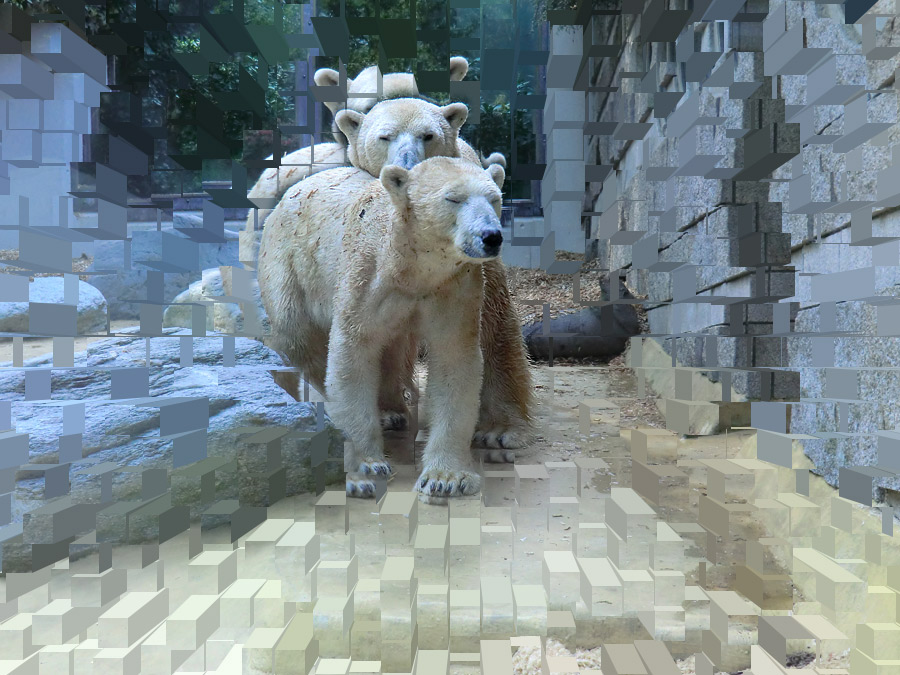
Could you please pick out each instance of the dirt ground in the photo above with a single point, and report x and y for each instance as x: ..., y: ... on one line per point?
x: 560, y: 389
x: 528, y: 285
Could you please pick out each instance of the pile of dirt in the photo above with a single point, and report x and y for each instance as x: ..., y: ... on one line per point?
x: 530, y: 286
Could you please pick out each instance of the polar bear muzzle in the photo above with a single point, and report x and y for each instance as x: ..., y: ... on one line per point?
x: 479, y: 229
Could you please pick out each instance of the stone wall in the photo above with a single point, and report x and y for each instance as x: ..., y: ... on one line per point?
x: 746, y: 182
x: 50, y: 79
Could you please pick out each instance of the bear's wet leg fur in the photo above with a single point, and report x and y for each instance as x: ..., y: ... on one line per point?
x: 398, y: 361
x: 507, y: 395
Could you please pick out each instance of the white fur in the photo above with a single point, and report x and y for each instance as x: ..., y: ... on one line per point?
x: 375, y: 264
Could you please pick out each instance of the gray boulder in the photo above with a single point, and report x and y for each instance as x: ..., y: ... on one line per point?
x: 592, y: 332
x: 205, y: 434
x: 224, y: 313
x: 51, y: 290
x: 598, y: 331
x: 125, y: 288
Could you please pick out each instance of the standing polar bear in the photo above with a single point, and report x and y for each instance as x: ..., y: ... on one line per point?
x: 403, y: 132
x: 362, y: 95
x: 398, y: 132
x: 353, y: 269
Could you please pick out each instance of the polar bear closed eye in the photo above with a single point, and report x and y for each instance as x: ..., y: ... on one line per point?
x: 361, y: 94
x: 473, y: 211
x: 364, y: 91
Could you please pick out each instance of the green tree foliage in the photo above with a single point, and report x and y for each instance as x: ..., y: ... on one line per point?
x: 173, y: 91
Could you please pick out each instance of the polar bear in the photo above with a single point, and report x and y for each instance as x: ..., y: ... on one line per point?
x: 352, y: 268
x: 403, y: 132
x: 362, y: 95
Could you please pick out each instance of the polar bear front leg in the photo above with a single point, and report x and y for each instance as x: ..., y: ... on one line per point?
x: 455, y: 367
x: 351, y: 384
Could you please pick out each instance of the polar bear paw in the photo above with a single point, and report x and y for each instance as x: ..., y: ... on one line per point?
x: 504, y: 438
x: 443, y: 482
x: 376, y: 467
x: 394, y: 420
x: 361, y: 483
x: 360, y: 486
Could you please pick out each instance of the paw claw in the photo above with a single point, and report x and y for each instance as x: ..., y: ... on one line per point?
x: 500, y: 456
x: 504, y: 438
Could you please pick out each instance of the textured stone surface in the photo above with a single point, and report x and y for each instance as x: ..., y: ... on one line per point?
x: 241, y: 400
x: 124, y: 281
x: 223, y: 314
x: 51, y: 290
x: 799, y: 221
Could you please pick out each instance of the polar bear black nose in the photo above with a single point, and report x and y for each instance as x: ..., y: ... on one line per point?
x: 492, y: 240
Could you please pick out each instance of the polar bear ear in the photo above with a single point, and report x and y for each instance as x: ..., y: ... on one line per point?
x: 495, y: 158
x: 455, y: 114
x: 459, y: 66
x: 395, y: 180
x: 349, y: 122
x: 497, y: 174
x: 327, y: 77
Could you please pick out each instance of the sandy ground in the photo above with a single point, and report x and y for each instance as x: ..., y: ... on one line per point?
x: 560, y: 390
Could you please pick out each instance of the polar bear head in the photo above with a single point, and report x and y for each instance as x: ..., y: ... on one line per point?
x: 452, y: 202
x: 402, y: 131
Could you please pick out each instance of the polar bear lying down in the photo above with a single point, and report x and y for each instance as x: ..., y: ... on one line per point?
x: 354, y: 270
